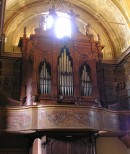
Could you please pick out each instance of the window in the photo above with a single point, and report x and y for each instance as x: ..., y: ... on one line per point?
x: 58, y: 21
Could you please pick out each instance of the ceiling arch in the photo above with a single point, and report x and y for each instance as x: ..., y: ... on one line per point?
x: 108, y: 18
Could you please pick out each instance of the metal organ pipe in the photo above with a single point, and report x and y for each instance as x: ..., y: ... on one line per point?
x: 45, y: 80
x: 71, y: 79
x: 64, y: 60
x: 65, y: 74
x: 44, y: 77
x: 67, y: 59
x: 49, y: 83
x: 64, y: 71
x: 41, y: 81
x: 86, y: 85
x: 62, y: 64
x: 90, y: 86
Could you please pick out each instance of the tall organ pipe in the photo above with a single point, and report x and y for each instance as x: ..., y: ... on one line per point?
x: 45, y: 79
x: 65, y: 74
x: 86, y: 85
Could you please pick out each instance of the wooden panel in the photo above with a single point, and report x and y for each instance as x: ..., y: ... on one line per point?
x: 62, y: 117
x: 69, y: 145
x: 78, y: 147
x: 15, y: 120
x: 10, y: 77
x: 13, y: 144
x: 57, y: 146
x: 8, y: 151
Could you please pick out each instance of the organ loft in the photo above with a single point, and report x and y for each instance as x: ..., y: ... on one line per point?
x: 62, y: 93
x: 59, y: 72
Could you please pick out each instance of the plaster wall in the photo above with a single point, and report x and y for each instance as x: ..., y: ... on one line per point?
x: 110, y: 145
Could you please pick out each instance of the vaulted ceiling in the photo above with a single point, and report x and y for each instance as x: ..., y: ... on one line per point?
x: 108, y: 18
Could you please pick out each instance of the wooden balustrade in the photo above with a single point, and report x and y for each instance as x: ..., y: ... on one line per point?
x: 63, y: 117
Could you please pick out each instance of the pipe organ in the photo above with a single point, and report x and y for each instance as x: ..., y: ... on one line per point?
x: 65, y: 73
x: 60, y: 70
x: 57, y: 72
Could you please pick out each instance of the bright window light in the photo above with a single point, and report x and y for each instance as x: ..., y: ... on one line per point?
x: 63, y: 27
x: 61, y: 24
x: 50, y: 22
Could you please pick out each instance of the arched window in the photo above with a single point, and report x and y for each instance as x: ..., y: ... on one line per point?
x: 45, y: 78
x: 85, y: 80
x: 65, y: 73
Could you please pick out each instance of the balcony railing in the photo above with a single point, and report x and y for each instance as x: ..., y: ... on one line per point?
x: 63, y: 117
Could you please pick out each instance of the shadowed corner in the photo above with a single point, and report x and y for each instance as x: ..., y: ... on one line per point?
x: 4, y: 103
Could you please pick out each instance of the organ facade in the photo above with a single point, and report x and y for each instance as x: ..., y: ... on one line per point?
x: 60, y: 70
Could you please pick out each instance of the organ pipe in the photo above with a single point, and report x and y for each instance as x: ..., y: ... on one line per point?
x: 86, y: 85
x: 65, y: 74
x: 45, y: 79
x: 41, y: 80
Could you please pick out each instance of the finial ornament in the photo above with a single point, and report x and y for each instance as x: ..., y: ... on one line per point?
x: 41, y: 22
x: 99, y: 39
x: 52, y: 11
x: 24, y: 31
x: 89, y: 32
x: 72, y: 14
x: 87, y: 27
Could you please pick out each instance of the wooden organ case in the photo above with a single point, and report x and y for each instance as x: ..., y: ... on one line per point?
x: 61, y: 71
